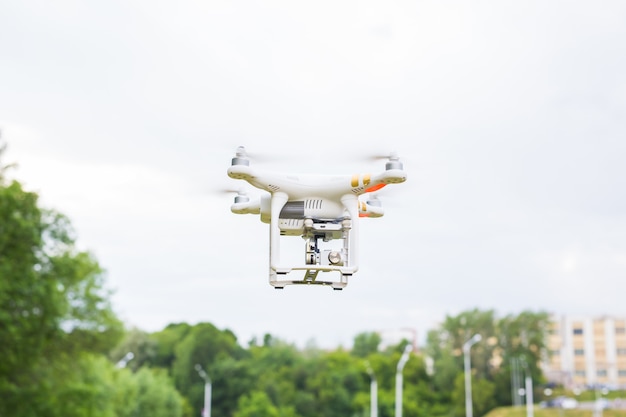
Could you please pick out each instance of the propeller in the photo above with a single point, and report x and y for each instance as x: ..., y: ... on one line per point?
x: 242, y: 152
x: 393, y: 160
x: 241, y: 195
x: 392, y: 156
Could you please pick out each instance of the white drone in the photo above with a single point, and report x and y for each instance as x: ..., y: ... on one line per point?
x: 322, y: 209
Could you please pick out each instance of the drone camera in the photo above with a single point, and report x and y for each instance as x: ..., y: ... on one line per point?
x: 332, y: 257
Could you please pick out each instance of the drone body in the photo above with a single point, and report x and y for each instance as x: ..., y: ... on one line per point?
x: 322, y: 209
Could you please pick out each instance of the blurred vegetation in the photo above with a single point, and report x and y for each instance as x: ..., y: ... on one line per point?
x: 64, y: 353
x: 273, y: 377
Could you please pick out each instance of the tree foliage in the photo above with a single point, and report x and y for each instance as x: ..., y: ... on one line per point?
x: 365, y: 344
x: 57, y: 323
x: 276, y: 378
x: 52, y: 299
x: 513, y: 336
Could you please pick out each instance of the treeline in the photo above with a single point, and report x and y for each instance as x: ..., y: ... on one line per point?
x: 274, y: 378
x: 61, y: 348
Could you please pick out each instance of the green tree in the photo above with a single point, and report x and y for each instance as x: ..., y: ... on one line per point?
x: 521, y: 338
x: 334, y: 380
x: 456, y: 330
x: 445, y: 362
x: 209, y: 347
x: 165, y: 343
x: 365, y: 344
x: 95, y: 388
x: 53, y: 302
x: 445, y: 347
x: 139, y: 343
x: 518, y: 337
x: 482, y: 396
x: 258, y: 404
x: 277, y: 369
x: 157, y: 396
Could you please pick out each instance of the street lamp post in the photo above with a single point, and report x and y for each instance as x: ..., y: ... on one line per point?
x: 530, y: 411
x: 207, y: 391
x: 528, y: 389
x: 403, y: 360
x: 468, y: 373
x: 373, y: 392
x: 598, y: 406
x: 124, y: 361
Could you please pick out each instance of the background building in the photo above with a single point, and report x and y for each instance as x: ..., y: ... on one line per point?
x: 587, y: 351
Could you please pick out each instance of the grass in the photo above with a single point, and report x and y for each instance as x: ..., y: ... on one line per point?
x: 551, y: 412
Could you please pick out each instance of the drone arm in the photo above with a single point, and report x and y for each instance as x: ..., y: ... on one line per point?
x: 279, y: 199
x: 391, y: 176
x: 249, y: 207
x: 371, y: 209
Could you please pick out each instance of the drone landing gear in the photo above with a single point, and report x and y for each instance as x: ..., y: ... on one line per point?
x: 310, y: 275
x: 279, y: 279
x: 329, y: 247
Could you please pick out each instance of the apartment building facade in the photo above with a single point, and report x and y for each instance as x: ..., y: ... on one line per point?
x: 586, y: 351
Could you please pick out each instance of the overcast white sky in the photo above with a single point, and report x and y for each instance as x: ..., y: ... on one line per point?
x: 510, y: 117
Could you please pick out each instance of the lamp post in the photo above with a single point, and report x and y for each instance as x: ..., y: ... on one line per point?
x: 468, y: 374
x: 598, y: 407
x: 403, y: 360
x: 124, y: 361
x: 528, y: 389
x: 530, y: 410
x: 373, y: 391
x: 207, y: 391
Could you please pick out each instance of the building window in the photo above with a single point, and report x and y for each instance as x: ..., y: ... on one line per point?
x: 620, y: 330
x: 579, y: 352
x: 621, y: 352
x: 621, y: 372
x: 578, y: 330
x: 579, y: 373
x: 555, y: 352
x: 601, y: 372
